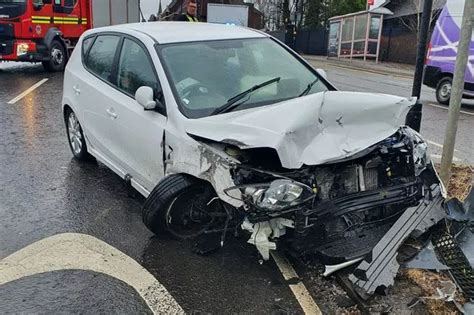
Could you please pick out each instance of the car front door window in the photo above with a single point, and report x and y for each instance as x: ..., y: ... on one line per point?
x: 135, y: 69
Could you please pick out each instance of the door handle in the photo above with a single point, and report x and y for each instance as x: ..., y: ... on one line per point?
x: 111, y: 113
x: 76, y: 90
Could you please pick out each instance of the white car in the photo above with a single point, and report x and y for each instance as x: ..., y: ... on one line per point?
x: 224, y: 128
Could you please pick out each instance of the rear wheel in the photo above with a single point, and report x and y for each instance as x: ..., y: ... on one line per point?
x: 443, y: 90
x: 57, y: 57
x: 75, y: 137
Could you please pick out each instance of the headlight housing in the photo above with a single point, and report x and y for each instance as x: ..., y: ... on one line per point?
x: 22, y: 49
x: 421, y: 156
x: 279, y: 195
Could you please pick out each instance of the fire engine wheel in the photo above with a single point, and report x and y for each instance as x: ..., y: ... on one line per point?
x: 57, y: 57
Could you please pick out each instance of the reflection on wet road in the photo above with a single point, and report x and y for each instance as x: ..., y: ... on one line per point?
x: 45, y: 192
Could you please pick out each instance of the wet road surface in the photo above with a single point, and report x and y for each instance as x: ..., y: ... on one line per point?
x: 45, y: 192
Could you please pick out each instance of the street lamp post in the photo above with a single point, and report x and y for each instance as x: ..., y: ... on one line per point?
x: 413, y: 118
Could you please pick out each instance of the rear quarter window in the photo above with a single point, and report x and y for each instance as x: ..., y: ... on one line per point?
x: 86, y: 44
x: 101, y: 55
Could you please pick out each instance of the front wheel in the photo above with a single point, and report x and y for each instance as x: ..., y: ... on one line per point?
x: 183, y: 206
x: 443, y: 90
x: 57, y: 57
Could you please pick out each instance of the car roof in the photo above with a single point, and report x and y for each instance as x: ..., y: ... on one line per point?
x: 177, y: 32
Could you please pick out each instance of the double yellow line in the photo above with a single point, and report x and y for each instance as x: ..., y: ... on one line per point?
x: 58, y: 20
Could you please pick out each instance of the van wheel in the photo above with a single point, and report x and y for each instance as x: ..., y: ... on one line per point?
x: 57, y: 57
x: 180, y: 205
x: 443, y: 90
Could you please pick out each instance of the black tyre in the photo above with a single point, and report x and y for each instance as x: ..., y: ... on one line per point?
x: 57, y: 57
x: 75, y: 137
x: 179, y: 205
x: 443, y: 90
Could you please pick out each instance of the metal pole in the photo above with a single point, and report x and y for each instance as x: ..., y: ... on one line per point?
x: 456, y: 92
x: 413, y: 118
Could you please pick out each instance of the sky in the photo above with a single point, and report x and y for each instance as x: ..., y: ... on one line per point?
x: 151, y: 6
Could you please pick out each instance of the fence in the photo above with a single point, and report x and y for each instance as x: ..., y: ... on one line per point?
x: 308, y: 42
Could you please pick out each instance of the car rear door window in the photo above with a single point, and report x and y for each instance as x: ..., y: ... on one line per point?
x: 100, y: 59
x: 86, y: 44
x: 135, y: 69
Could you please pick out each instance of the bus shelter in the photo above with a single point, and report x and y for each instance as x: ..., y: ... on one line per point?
x: 356, y: 35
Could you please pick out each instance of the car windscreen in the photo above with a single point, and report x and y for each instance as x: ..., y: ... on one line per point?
x: 206, y: 75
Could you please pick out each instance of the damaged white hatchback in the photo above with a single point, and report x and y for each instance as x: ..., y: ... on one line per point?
x: 225, y: 129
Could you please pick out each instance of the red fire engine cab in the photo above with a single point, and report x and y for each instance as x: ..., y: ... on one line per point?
x: 47, y: 30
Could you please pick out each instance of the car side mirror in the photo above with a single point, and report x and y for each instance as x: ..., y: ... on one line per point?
x: 322, y: 73
x: 144, y: 97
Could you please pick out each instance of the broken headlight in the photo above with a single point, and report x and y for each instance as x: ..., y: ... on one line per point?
x: 421, y: 157
x: 279, y: 195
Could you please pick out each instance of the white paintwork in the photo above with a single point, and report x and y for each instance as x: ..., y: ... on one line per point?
x: 228, y: 14
x: 144, y: 97
x: 177, y: 32
x: 323, y: 73
x: 72, y: 251
x: 310, y: 130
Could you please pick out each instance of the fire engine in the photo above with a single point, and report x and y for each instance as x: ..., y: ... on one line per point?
x: 46, y: 30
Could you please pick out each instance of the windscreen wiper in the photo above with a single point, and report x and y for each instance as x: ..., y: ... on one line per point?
x: 232, y: 102
x: 308, y: 88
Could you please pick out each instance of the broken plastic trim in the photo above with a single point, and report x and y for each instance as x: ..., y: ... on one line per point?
x: 380, y: 269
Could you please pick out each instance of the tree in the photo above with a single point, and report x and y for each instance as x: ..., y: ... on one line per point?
x: 341, y: 7
x: 308, y: 13
x: 318, y: 12
x: 413, y: 22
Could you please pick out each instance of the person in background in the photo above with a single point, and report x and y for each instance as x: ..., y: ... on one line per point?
x: 191, y: 11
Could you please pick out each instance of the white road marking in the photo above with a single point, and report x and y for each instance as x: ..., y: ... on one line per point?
x: 445, y: 108
x: 302, y: 294
x: 28, y: 91
x: 438, y: 157
x: 72, y: 251
x: 438, y: 145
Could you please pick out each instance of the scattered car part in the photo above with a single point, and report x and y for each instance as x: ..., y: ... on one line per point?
x: 380, y: 269
x: 447, y: 242
x: 426, y: 259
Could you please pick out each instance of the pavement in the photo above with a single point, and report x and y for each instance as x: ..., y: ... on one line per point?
x: 384, y: 68
x: 72, y: 239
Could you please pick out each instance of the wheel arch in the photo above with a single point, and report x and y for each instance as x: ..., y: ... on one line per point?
x: 55, y: 34
x: 443, y: 75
